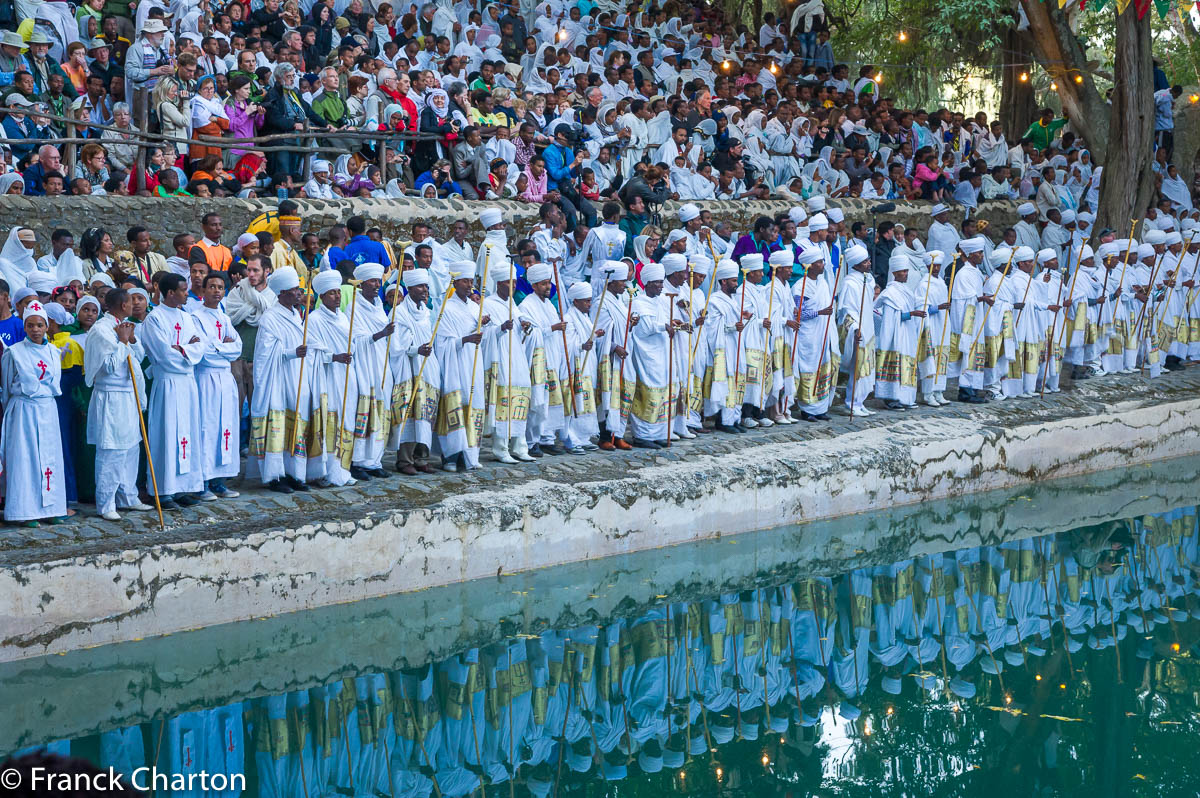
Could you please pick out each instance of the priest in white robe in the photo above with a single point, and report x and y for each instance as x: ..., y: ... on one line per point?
x: 752, y: 298
x: 548, y: 422
x: 779, y: 378
x: 1027, y: 334
x: 330, y: 350
x: 460, y: 414
x: 582, y: 341
x: 724, y: 381
x: 372, y: 327
x: 856, y: 323
x: 289, y: 434
x: 652, y: 353
x: 417, y: 375
x: 992, y: 347
x: 817, y: 352
x: 943, y: 236
x: 1051, y: 289
x: 30, y: 442
x: 506, y: 368
x: 932, y: 297
x: 493, y: 249
x: 897, y: 320
x: 219, y: 409
x: 965, y: 294
x: 175, y: 345
x: 114, y: 425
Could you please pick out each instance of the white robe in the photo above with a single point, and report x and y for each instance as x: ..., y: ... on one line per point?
x: 30, y: 441
x: 553, y: 415
x: 933, y: 342
x: 964, y: 292
x: 372, y: 412
x: 1028, y: 335
x: 896, y: 354
x: 650, y: 355
x: 463, y: 388
x: 329, y: 335
x: 174, y: 410
x: 584, y: 423
x: 724, y: 381
x: 614, y: 376
x: 413, y: 422
x: 507, y: 369
x: 817, y: 360
x: 113, y: 411
x: 855, y: 314
x: 219, y: 456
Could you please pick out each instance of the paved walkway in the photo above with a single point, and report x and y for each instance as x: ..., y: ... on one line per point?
x: 257, y: 509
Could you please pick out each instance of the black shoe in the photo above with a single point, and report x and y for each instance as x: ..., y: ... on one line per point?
x: 553, y: 449
x: 965, y: 395
x: 296, y: 484
x: 807, y: 416
x: 535, y: 451
x: 642, y: 443
x: 822, y: 417
x: 360, y: 473
x: 186, y: 500
x: 892, y: 404
x: 378, y: 473
x: 279, y: 486
x: 168, y: 504
x: 1081, y: 373
x: 729, y: 430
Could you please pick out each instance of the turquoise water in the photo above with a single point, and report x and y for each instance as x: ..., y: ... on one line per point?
x: 1042, y: 641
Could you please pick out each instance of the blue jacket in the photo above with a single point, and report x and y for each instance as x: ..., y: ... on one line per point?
x: 557, y: 158
x: 362, y: 249
x: 17, y: 133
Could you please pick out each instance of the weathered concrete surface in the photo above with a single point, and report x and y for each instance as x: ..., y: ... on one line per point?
x: 78, y: 590
x: 117, y: 686
x: 165, y: 218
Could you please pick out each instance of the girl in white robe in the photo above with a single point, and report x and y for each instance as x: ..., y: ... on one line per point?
x: 30, y: 441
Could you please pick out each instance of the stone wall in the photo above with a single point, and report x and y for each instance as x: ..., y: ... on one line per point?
x: 165, y: 218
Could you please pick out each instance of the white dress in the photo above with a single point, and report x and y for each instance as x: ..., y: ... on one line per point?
x: 174, y: 410
x: 30, y: 439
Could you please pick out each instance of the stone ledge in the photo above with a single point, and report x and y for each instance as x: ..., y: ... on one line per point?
x: 504, y: 520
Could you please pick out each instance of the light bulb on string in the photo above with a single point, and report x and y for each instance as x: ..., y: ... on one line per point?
x: 878, y: 77
x: 903, y: 36
x: 1194, y: 98
x: 1079, y: 78
x: 774, y: 68
x: 1023, y: 77
x: 1053, y: 86
x: 725, y: 64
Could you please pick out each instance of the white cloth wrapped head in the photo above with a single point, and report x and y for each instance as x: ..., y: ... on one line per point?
x: 320, y: 166
x: 1068, y: 217
x: 463, y: 270
x: 782, y: 257
x: 579, y: 291
x: 42, y: 282
x: 615, y: 270
x: 489, y: 217
x: 328, y: 280
x: 653, y: 272
x: 415, y: 277
x: 836, y: 215
x: 898, y: 262
x: 688, y: 212
x: 797, y: 214
x: 817, y: 222
x: 816, y: 204
x: 672, y: 263
x: 727, y: 270
x: 368, y: 271
x: 1109, y: 250
x: 1026, y: 208
x: 969, y: 245
x: 57, y: 313
x: 539, y: 272
x: 1174, y: 237
x: 701, y: 264
x: 1155, y: 236
x: 1000, y: 256
x: 935, y: 256
x: 752, y: 262
x: 856, y: 254
x: 104, y: 279
x: 283, y: 279
x: 676, y: 235
x: 1046, y: 255
x: 811, y: 254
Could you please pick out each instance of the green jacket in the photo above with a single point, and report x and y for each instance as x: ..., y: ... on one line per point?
x: 1041, y: 135
x: 331, y: 108
x: 632, y: 224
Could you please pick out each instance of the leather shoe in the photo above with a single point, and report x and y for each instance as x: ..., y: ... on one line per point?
x: 607, y: 446
x: 426, y: 468
x: 621, y: 444
x: 277, y: 485
x: 379, y: 473
x: 296, y: 484
x: 641, y: 443
x: 535, y: 451
x: 359, y: 473
x: 186, y: 500
x: 408, y: 470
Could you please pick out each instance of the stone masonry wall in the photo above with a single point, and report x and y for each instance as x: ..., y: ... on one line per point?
x: 166, y: 218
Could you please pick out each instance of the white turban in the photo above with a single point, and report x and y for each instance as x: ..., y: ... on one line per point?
x: 1086, y: 253
x: 246, y: 239
x: 798, y: 215
x: 1085, y: 217
x: 816, y: 204
x: 327, y: 280
x: 836, y: 215
x: 35, y: 308
x: 936, y: 256
x: 490, y: 216
x: 102, y: 277
x: 615, y: 270
x: 579, y: 291
x: 676, y: 235
x: 1045, y: 255
x: 1026, y: 208
x: 1173, y: 238
x: 752, y: 262
x: 688, y: 212
x: 811, y: 255
x: 1145, y: 251
x: 1108, y: 250
x: 726, y: 270
x: 1068, y: 217
x: 672, y: 263
x: 898, y: 262
x: 1155, y: 236
x: 415, y: 277
x: 463, y: 270
x: 283, y: 279
x: 42, y: 282
x: 701, y: 264
x: 1000, y: 255
x: 368, y: 271
x: 818, y: 222
x: 969, y: 245
x: 782, y: 257
x: 856, y: 254
x: 539, y: 272
x: 652, y: 272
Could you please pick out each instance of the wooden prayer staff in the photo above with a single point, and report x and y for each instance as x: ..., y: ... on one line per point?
x: 862, y: 299
x: 512, y: 333
x: 346, y: 383
x: 1143, y: 316
x: 146, y: 444
x: 562, y: 297
x: 983, y: 325
x: 712, y: 278
x: 767, y: 352
x: 937, y: 364
x: 799, y: 305
x: 687, y: 394
x: 737, y: 358
x: 595, y: 321
x: 487, y: 257
x: 1176, y: 281
x: 300, y: 382
x: 1108, y: 271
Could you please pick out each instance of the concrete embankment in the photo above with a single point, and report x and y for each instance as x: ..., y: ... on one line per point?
x: 94, y: 583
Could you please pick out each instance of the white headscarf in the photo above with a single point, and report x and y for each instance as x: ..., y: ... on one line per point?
x: 15, y: 260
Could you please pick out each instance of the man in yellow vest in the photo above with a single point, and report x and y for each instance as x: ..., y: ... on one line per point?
x: 268, y: 221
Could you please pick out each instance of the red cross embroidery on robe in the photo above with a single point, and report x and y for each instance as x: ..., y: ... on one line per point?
x: 177, y: 330
x: 226, y: 436
x: 183, y: 442
x: 48, y: 473
x: 42, y: 366
x: 219, y: 331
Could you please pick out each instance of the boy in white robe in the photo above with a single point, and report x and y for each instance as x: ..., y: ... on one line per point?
x: 330, y: 337
x: 289, y: 408
x: 897, y: 321
x: 372, y: 327
x: 817, y: 357
x: 506, y: 369
x: 460, y: 416
x: 652, y: 353
x: 614, y: 317
x: 219, y: 458
x: 414, y: 406
x: 175, y: 346
x: 30, y: 440
x: 964, y: 292
x: 931, y: 294
x: 856, y: 323
x: 114, y: 427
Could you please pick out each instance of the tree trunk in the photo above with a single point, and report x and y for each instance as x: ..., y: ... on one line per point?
x: 1060, y: 54
x: 1127, y: 182
x: 1016, y: 96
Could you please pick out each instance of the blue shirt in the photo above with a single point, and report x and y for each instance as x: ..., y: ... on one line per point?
x: 336, y: 256
x: 12, y: 331
x: 557, y: 160
x: 362, y: 249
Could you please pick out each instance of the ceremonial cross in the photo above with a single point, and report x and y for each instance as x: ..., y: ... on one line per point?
x: 219, y: 330
x: 47, y: 476
x: 177, y: 329
x: 226, y: 434
x: 42, y: 366
x: 183, y: 443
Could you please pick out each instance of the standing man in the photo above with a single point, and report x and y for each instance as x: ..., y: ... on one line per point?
x: 413, y: 417
x: 461, y: 405
x: 218, y: 442
x: 113, y: 425
x: 856, y: 322
x: 613, y: 321
x: 175, y: 347
x: 246, y: 304
x: 216, y: 254
x: 650, y: 414
x: 372, y: 328
x: 816, y: 346
x: 551, y: 421
x: 898, y: 320
x: 725, y: 319
x: 965, y: 301
x: 604, y: 243
x: 286, y: 254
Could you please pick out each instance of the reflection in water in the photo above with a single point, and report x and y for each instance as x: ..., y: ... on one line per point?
x: 1046, y: 663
